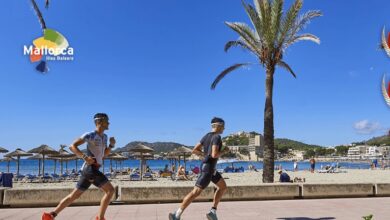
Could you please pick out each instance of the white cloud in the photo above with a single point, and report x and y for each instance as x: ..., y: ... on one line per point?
x: 366, y: 127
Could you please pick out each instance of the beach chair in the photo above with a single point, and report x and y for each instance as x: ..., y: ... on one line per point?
x: 135, y: 177
x: 148, y: 176
x: 19, y: 177
x: 29, y: 178
x: 46, y: 178
x: 55, y: 177
x: 330, y: 169
x: 166, y: 174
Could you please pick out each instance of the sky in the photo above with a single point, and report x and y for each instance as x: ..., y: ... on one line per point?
x: 149, y: 65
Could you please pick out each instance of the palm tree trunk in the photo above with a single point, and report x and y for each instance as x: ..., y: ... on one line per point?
x: 268, y: 169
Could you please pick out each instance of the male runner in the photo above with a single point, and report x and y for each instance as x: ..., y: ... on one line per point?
x: 212, y: 150
x: 96, y: 149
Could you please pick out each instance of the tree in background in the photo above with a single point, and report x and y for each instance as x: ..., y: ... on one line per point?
x: 272, y: 32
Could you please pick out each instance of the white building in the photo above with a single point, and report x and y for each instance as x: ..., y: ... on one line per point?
x: 256, y: 146
x: 368, y: 152
x: 357, y: 152
x: 372, y: 153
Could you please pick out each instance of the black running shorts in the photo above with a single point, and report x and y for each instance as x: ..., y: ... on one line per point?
x: 91, y: 175
x: 207, y: 175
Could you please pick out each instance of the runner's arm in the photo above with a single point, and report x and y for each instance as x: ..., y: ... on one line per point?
x: 198, y: 150
x: 107, y: 151
x: 74, y: 147
x: 215, y: 152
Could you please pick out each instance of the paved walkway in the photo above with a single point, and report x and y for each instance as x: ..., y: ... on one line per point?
x: 318, y: 209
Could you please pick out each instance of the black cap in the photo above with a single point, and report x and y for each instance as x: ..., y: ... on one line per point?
x: 99, y: 116
x: 217, y: 120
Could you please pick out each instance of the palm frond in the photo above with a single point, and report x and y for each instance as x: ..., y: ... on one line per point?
x: 236, y: 43
x: 304, y: 20
x: 276, y: 15
x: 241, y: 42
x: 288, y: 21
x: 246, y: 33
x: 309, y: 37
x: 225, y: 72
x: 254, y: 17
x: 39, y: 15
x: 285, y: 66
x: 267, y: 22
x: 262, y: 8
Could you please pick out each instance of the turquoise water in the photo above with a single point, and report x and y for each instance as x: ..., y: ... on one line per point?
x: 31, y: 166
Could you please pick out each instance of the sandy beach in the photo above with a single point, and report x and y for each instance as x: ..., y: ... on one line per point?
x: 239, y: 179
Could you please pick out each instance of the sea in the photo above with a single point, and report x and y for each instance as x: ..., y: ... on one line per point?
x: 31, y: 166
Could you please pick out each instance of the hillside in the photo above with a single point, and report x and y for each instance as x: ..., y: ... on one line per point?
x: 157, y: 146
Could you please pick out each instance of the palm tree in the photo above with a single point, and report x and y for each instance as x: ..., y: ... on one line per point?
x: 273, y: 31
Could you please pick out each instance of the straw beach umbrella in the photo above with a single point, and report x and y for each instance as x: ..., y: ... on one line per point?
x: 143, y: 158
x: 62, y: 155
x: 116, y: 157
x: 38, y: 157
x: 182, y: 152
x: 3, y: 150
x: 18, y: 153
x: 141, y: 149
x: 8, y: 160
x: 43, y: 150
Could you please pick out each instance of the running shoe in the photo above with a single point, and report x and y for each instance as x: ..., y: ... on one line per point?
x: 47, y: 216
x: 211, y: 216
x: 172, y: 216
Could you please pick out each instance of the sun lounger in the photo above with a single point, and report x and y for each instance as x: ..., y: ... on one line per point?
x: 135, y: 177
x: 148, y: 176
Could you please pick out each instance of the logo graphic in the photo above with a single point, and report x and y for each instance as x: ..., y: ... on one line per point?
x: 52, y: 46
x: 385, y: 45
x: 386, y: 92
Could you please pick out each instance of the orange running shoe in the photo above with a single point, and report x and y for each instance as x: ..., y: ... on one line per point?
x: 97, y: 218
x: 47, y: 216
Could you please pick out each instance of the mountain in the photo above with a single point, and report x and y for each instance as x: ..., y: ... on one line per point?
x: 385, y: 139
x: 295, y: 145
x: 157, y: 146
x: 242, y: 138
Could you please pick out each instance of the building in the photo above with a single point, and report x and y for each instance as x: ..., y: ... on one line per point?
x: 256, y: 146
x: 366, y: 152
x: 357, y: 152
x: 237, y: 149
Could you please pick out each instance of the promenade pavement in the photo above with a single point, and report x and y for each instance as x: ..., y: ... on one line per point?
x: 313, y: 209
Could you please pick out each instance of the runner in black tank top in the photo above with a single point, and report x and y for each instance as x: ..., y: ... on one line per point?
x: 212, y: 149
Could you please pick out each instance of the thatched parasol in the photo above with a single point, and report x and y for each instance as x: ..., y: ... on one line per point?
x: 3, y: 150
x: 63, y: 155
x: 182, y: 152
x: 116, y: 157
x: 141, y: 149
x: 8, y: 160
x: 18, y: 153
x: 44, y: 150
